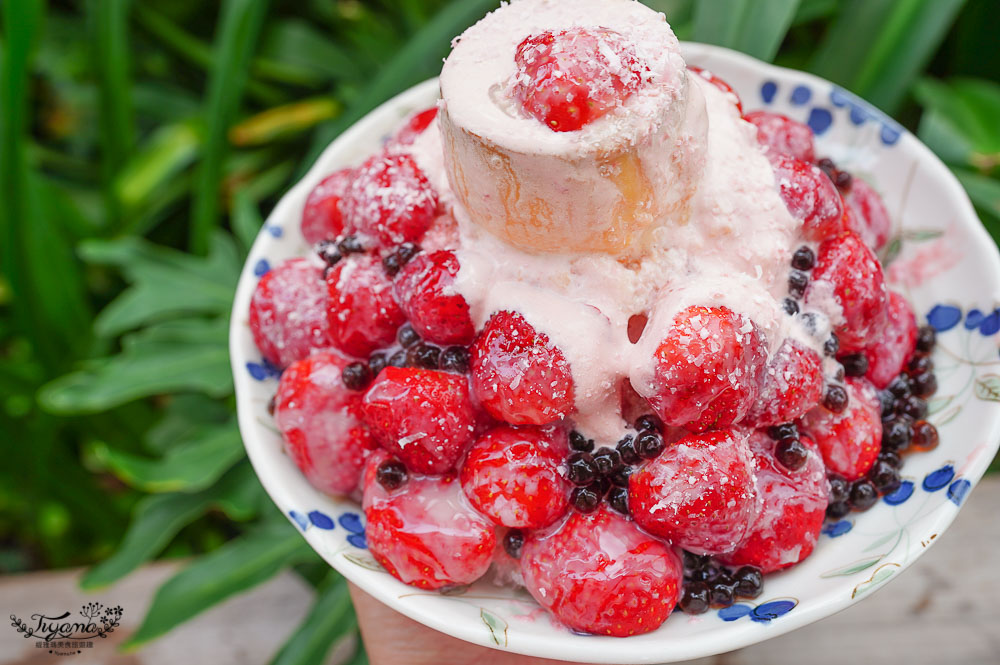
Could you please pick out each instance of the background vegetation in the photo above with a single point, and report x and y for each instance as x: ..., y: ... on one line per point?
x: 140, y: 143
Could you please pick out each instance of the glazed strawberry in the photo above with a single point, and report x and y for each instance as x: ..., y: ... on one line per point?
x: 390, y: 200
x: 792, y: 384
x: 424, y: 532
x: 888, y: 355
x: 518, y: 375
x: 707, y: 369
x: 362, y: 310
x: 870, y: 220
x: 850, y: 441
x: 288, y: 312
x: 424, y: 417
x: 599, y: 574
x: 425, y: 289
x: 720, y: 84
x: 319, y: 422
x: 848, y: 271
x: 780, y: 135
x: 322, y: 218
x: 512, y: 476
x: 413, y: 127
x: 569, y: 78
x: 699, y: 493
x: 794, y: 505
x: 809, y: 196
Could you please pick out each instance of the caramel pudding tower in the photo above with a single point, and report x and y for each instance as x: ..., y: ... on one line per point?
x: 600, y: 188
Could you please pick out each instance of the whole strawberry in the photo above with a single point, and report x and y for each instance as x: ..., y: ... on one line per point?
x: 362, y: 310
x: 849, y: 441
x: 288, y: 312
x: 706, y: 371
x: 322, y: 217
x: 569, y: 78
x: 320, y: 423
x: 699, y: 493
x: 793, y: 509
x: 848, y: 271
x: 512, y: 476
x: 424, y: 532
x: 424, y: 417
x: 518, y: 375
x: 810, y: 197
x: 425, y: 289
x: 888, y: 354
x: 390, y: 201
x: 793, y: 384
x: 598, y: 574
x: 780, y: 135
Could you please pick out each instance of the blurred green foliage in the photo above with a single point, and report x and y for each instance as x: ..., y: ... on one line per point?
x: 140, y: 142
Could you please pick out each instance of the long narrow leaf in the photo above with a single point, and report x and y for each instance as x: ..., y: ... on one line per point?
x: 755, y: 27
x: 110, y: 26
x: 330, y: 619
x: 239, y: 27
x: 231, y: 569
x: 876, y: 48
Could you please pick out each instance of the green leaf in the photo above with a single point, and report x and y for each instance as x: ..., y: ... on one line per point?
x: 417, y: 60
x: 985, y: 195
x: 166, y: 153
x: 157, y: 519
x: 239, y: 26
x: 111, y: 62
x: 755, y: 27
x: 164, y: 282
x: 297, y: 42
x: 876, y: 48
x: 329, y: 620
x: 960, y: 121
x: 176, y: 356
x: 183, y: 416
x: 235, y: 567
x: 192, y: 464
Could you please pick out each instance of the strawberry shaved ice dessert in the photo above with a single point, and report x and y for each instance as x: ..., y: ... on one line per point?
x: 588, y: 325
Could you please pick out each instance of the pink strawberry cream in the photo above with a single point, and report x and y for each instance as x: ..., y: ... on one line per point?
x: 587, y: 325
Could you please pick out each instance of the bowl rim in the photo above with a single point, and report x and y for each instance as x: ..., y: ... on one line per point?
x: 600, y: 648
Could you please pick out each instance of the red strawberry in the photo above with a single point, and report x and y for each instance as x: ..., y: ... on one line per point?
x: 569, y: 78
x: 699, y: 493
x: 322, y: 218
x: 794, y: 505
x: 362, y: 311
x: 518, y: 375
x: 425, y: 289
x: 888, y: 355
x: 599, y: 574
x: 793, y: 384
x: 288, y: 312
x: 850, y: 441
x: 810, y: 196
x: 319, y: 421
x: 424, y: 417
x: 512, y: 476
x: 849, y: 271
x: 870, y: 220
x: 424, y: 533
x: 718, y: 83
x: 707, y: 369
x: 780, y: 135
x: 413, y: 127
x: 390, y: 200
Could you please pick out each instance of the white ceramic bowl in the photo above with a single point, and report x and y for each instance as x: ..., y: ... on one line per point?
x: 947, y: 265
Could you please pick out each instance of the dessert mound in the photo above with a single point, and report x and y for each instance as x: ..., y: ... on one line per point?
x: 589, y: 324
